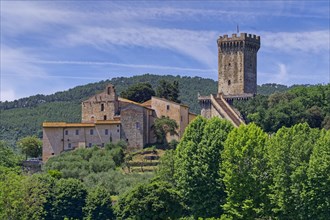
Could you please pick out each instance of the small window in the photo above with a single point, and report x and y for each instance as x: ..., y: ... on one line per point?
x: 91, y: 132
x: 52, y: 153
x: 229, y: 82
x: 117, y: 126
x: 66, y: 132
x: 137, y: 125
x: 104, y: 117
x: 102, y: 107
x: 228, y: 64
x: 118, y: 130
x: 168, y: 107
x: 90, y: 145
x: 69, y: 145
x: 106, y: 131
x: 77, y: 132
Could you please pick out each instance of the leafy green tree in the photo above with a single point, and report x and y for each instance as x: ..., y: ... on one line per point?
x: 31, y: 146
x: 139, y: 92
x: 244, y: 167
x: 317, y: 199
x: 197, y: 166
x: 168, y: 90
x: 8, y: 158
x: 289, y: 152
x: 156, y: 200
x: 69, y: 199
x: 12, y: 203
x: 163, y: 126
x: 166, y: 169
x: 98, y: 204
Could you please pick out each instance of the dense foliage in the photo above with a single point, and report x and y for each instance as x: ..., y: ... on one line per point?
x: 300, y: 104
x: 139, y: 92
x: 164, y: 126
x: 216, y: 171
x: 168, y: 90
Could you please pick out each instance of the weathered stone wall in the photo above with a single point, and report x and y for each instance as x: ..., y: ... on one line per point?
x: 237, y: 62
x: 205, y: 104
x: 52, y: 143
x: 103, y: 106
x: 133, y: 126
x: 173, y: 110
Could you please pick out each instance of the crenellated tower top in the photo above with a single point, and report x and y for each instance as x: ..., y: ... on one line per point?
x: 242, y: 42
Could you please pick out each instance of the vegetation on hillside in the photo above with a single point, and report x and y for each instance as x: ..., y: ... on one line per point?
x: 301, y: 104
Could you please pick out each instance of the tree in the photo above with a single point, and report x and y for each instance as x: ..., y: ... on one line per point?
x: 12, y: 204
x: 69, y: 199
x: 31, y: 146
x: 318, y: 188
x: 163, y: 126
x: 244, y: 169
x: 289, y: 152
x: 98, y: 204
x: 8, y: 158
x: 139, y: 92
x: 165, y: 171
x: 156, y: 200
x: 197, y: 166
x: 169, y: 91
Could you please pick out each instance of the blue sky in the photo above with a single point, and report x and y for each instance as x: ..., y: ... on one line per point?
x: 50, y: 46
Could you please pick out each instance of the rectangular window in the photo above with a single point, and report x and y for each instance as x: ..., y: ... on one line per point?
x: 168, y: 107
x: 77, y: 132
x: 102, y: 107
x: 106, y: 131
x: 91, y: 132
x: 90, y: 145
x: 118, y: 130
x: 104, y: 117
x: 69, y: 145
x: 137, y: 125
x: 66, y: 132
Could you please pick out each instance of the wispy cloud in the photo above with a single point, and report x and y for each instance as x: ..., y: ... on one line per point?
x: 313, y: 41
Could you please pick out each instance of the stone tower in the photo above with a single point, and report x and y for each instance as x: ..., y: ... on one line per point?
x: 237, y: 64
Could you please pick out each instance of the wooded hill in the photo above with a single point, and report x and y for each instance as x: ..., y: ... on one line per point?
x: 24, y: 116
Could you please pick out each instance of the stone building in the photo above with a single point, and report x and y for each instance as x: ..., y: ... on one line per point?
x: 109, y: 118
x: 237, y: 76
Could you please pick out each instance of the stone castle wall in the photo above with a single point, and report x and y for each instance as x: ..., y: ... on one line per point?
x: 237, y: 64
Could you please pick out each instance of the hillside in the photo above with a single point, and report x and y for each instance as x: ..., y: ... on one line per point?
x: 24, y: 117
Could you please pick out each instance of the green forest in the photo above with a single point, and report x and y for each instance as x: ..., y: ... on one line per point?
x: 216, y: 172
x: 25, y: 116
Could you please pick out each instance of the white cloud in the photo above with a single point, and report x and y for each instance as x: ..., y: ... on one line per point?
x: 196, y: 44
x: 290, y: 42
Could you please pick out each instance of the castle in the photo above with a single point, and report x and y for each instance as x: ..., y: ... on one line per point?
x: 109, y: 118
x: 237, y: 76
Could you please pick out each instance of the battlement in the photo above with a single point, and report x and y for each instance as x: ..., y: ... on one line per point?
x: 242, y: 37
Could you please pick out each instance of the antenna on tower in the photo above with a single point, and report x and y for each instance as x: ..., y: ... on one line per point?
x: 237, y: 28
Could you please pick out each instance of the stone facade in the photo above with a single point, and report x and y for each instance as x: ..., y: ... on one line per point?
x: 61, y: 136
x: 108, y: 118
x: 237, y: 76
x: 237, y: 63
